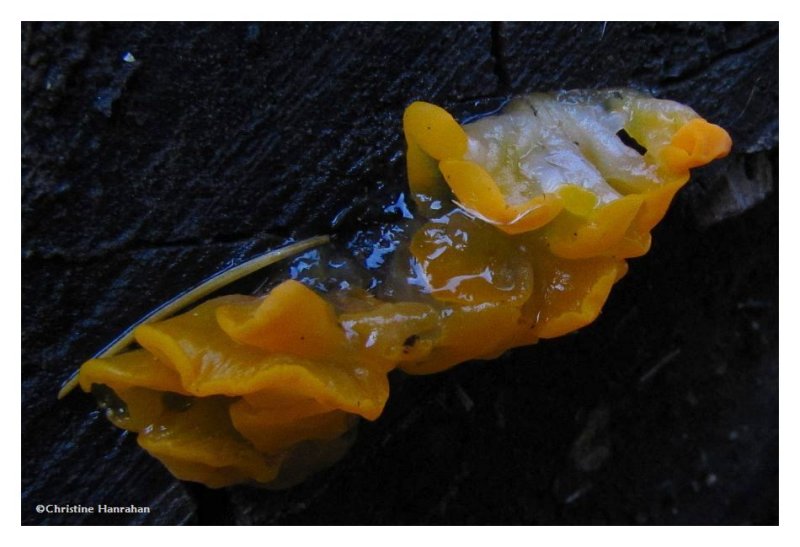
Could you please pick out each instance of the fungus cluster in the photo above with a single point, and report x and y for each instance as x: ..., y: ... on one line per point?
x: 526, y: 219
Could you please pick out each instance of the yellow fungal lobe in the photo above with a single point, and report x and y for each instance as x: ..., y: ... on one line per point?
x: 434, y: 130
x: 525, y: 221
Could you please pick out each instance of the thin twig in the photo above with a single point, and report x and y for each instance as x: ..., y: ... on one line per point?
x: 187, y: 298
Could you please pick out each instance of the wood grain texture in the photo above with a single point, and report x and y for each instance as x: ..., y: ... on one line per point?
x: 214, y: 141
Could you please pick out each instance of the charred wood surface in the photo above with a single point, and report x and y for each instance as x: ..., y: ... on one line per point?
x: 155, y: 154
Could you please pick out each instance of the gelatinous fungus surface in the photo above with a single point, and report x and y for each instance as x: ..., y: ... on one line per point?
x: 524, y: 221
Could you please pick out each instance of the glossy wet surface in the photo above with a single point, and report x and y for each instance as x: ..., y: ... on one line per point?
x: 142, y: 176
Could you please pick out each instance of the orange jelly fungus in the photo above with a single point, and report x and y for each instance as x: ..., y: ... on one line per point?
x: 525, y: 221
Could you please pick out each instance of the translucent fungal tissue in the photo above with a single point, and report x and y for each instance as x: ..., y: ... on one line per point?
x: 523, y: 223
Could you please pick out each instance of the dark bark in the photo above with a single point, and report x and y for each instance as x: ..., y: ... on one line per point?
x: 144, y: 173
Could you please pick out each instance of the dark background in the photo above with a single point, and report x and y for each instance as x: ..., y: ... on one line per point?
x: 217, y: 141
